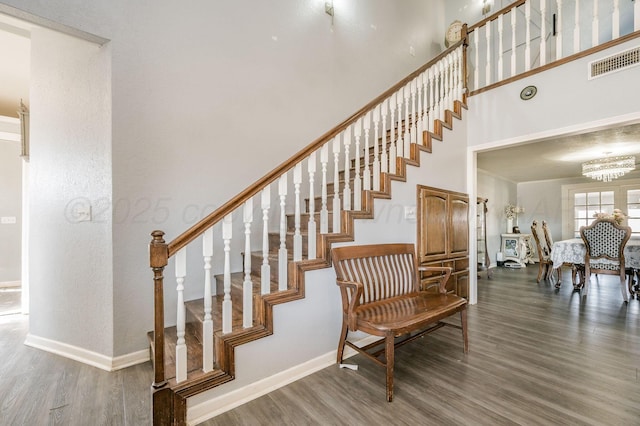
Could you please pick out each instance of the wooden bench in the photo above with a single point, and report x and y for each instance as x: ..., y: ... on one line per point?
x: 381, y: 296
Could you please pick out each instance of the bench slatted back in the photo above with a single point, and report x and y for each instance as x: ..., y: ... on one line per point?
x: 385, y: 270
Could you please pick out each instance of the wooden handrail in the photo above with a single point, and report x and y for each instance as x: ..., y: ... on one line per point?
x: 495, y: 15
x: 192, y: 233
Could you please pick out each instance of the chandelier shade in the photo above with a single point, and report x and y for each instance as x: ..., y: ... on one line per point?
x: 609, y: 168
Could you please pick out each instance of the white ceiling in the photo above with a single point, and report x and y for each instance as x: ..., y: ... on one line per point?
x: 562, y: 157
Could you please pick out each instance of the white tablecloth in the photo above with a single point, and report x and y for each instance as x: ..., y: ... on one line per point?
x: 573, y: 251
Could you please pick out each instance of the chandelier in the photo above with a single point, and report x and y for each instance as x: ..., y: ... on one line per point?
x: 609, y: 168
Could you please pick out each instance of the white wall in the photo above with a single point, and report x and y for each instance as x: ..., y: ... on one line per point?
x: 71, y: 276
x: 566, y: 102
x: 543, y: 200
x: 499, y: 192
x: 207, y: 104
x: 206, y: 98
x: 14, y: 72
x: 10, y: 203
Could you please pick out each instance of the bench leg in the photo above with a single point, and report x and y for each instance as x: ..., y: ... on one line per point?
x: 463, y: 322
x: 389, y: 355
x: 343, y: 339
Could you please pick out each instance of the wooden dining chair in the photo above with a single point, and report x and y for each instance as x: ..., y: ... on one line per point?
x: 577, y: 270
x: 545, y: 266
x: 604, y: 239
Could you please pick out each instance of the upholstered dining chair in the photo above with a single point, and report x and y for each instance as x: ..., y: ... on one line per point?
x: 576, y: 270
x: 604, y: 241
x: 545, y: 266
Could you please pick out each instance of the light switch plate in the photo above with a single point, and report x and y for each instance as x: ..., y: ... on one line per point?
x: 410, y: 212
x: 83, y: 213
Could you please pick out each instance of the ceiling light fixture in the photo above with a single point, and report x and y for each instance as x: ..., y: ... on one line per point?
x: 609, y: 168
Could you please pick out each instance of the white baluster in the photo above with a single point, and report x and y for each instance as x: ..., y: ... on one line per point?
x: 414, y: 125
x: 487, y: 34
x: 448, y: 100
x: 615, y: 20
x: 247, y: 285
x: 181, y: 347
x: 595, y: 25
x: 381, y: 111
x: 283, y: 256
x: 346, y: 193
x: 227, y: 232
x: 311, y: 226
x: 431, y: 112
x: 476, y: 71
x: 425, y: 101
x: 336, y: 184
x: 576, y: 29
x: 454, y: 77
x: 297, y: 236
x: 513, y: 42
x: 398, y: 125
x: 265, y: 269
x: 207, y: 324
x: 527, y: 39
x: 543, y: 32
x: 459, y: 75
x: 559, y: 31
x: 357, y: 181
x: 441, y: 90
x: 392, y: 135
x: 366, y: 124
x: 420, y: 85
x: 406, y: 136
x: 324, y: 212
x: 436, y: 93
x: 500, y: 49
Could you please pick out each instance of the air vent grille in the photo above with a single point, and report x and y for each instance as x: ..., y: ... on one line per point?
x: 613, y: 63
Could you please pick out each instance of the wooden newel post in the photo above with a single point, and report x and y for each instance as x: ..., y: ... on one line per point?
x: 158, y: 259
x: 465, y: 43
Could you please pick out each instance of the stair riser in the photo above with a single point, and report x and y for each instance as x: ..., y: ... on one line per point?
x: 274, y: 243
x: 318, y: 202
x: 304, y: 221
x: 256, y: 265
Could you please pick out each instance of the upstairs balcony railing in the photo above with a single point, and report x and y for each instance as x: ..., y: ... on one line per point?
x: 530, y: 34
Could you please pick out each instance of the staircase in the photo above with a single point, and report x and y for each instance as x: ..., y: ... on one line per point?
x: 237, y: 305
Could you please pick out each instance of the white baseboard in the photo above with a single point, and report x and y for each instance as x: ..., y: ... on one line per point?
x: 127, y: 360
x: 215, y: 406
x: 5, y: 284
x: 85, y: 356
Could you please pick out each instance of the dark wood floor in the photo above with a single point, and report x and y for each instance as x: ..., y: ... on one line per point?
x: 537, y: 356
x: 40, y: 388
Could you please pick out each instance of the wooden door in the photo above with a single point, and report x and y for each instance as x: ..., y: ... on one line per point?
x: 433, y: 224
x: 458, y: 225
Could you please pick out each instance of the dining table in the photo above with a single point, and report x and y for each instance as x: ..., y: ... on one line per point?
x: 572, y: 251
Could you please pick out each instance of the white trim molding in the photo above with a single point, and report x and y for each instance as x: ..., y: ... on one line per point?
x: 208, y: 409
x: 85, y: 356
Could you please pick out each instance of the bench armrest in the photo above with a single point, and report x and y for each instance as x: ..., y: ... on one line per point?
x: 443, y: 279
x: 351, y: 292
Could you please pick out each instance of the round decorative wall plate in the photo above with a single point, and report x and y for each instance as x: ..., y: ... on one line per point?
x: 528, y: 93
